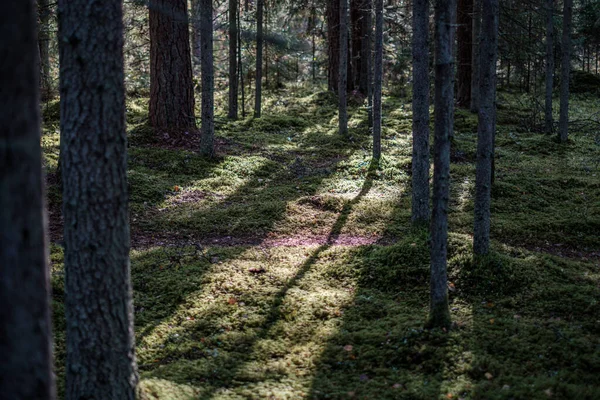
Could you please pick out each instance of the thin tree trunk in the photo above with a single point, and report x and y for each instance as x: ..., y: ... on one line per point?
x: 99, y: 309
x: 445, y: 18
x: 313, y: 16
x: 25, y: 337
x: 475, y: 56
x: 420, y: 108
x: 486, y: 128
x: 549, y: 65
x: 333, y: 45
x: 233, y: 75
x: 241, y: 67
x: 365, y: 48
x: 259, y: 50
x: 266, y: 43
x: 565, y: 72
x: 196, y: 33
x: 343, y: 72
x: 207, y: 147
x: 464, y: 40
x: 44, y: 12
x: 369, y: 61
x: 378, y: 77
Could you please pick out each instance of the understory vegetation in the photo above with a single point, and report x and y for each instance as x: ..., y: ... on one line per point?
x: 288, y: 268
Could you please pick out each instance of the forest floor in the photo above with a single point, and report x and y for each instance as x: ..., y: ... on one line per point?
x: 287, y: 268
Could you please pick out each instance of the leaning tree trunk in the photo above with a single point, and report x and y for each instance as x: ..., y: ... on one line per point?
x: 44, y: 13
x: 259, y: 62
x: 439, y: 314
x: 233, y: 75
x: 475, y: 56
x: 563, y: 123
x: 207, y: 147
x: 549, y: 65
x: 486, y: 127
x: 343, y: 72
x: 99, y: 309
x: 464, y: 39
x: 171, y: 87
x: 420, y: 108
x: 25, y: 337
x: 378, y: 78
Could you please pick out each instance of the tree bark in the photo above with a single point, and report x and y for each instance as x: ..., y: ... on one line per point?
x: 365, y: 47
x: 369, y: 61
x: 549, y: 65
x: 99, y: 309
x: 233, y: 75
x: 420, y: 108
x: 343, y: 72
x: 333, y: 45
x: 464, y: 36
x: 207, y: 147
x: 486, y: 127
x: 171, y: 86
x: 25, y: 337
x: 377, y: 78
x: 259, y: 49
x: 196, y: 41
x: 475, y: 56
x: 44, y: 13
x: 445, y: 18
x: 565, y: 72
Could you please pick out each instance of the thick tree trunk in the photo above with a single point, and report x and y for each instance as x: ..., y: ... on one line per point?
x: 464, y: 38
x: 420, y: 108
x: 25, y: 337
x: 486, y: 127
x: 259, y: 50
x: 563, y: 123
x: 445, y: 19
x: 549, y: 65
x: 343, y: 72
x: 475, y: 56
x: 99, y: 309
x: 44, y: 13
x: 333, y: 44
x: 233, y: 75
x: 171, y: 86
x: 377, y: 78
x: 207, y: 147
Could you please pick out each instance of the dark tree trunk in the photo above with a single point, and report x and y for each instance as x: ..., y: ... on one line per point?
x: 377, y: 78
x: 233, y: 75
x: 445, y: 19
x: 475, y: 56
x: 486, y: 127
x: 358, y: 48
x: 259, y: 49
x: 563, y: 123
x: 99, y: 309
x: 44, y: 13
x: 207, y: 147
x: 171, y: 86
x: 196, y: 41
x: 464, y: 59
x: 333, y: 44
x: 549, y: 65
x: 420, y: 107
x: 365, y: 48
x: 343, y: 72
x: 25, y: 337
x: 369, y: 60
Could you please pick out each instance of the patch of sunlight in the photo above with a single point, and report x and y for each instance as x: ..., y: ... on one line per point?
x: 464, y: 195
x: 155, y: 388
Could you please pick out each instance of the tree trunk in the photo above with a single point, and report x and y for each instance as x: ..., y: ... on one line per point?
x: 464, y: 38
x: 377, y: 78
x: 368, y: 61
x: 241, y: 66
x: 475, y: 56
x: 365, y: 47
x: 486, y: 127
x: 259, y: 49
x: 25, y: 337
x: 343, y: 72
x: 445, y: 18
x: 99, y: 309
x: 420, y: 108
x: 333, y: 44
x: 207, y: 147
x: 233, y: 75
x: 563, y: 123
x: 44, y: 13
x: 171, y: 86
x: 549, y: 65
x: 196, y: 41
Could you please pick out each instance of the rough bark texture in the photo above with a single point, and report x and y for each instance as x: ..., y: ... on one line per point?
x: 563, y: 123
x: 333, y: 44
x: 207, y: 147
x: 44, y: 13
x: 549, y: 65
x: 171, y: 86
x: 420, y: 108
x: 464, y: 59
x: 486, y: 127
x: 445, y: 18
x: 233, y: 75
x: 25, y: 338
x: 259, y: 62
x: 475, y: 56
x: 99, y: 312
x: 377, y: 79
x: 343, y: 72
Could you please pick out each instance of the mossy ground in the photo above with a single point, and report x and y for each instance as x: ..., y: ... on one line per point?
x: 259, y: 320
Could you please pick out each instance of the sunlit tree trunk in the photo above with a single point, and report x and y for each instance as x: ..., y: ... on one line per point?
x: 549, y: 65
x: 563, y: 123
x: 343, y: 72
x: 377, y: 79
x: 207, y: 147
x: 259, y: 58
